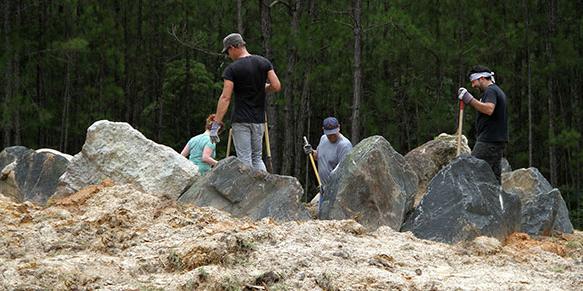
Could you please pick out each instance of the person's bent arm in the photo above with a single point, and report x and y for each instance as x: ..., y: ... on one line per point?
x: 486, y: 108
x: 274, y: 85
x: 185, y: 151
x: 207, y: 156
x: 224, y: 100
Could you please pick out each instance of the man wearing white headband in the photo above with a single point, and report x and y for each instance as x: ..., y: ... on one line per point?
x: 492, y: 118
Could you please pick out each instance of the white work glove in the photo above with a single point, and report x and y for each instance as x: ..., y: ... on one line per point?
x: 214, y: 132
x: 308, y: 149
x: 464, y: 95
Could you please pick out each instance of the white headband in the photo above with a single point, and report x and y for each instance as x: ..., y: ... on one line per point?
x: 476, y: 76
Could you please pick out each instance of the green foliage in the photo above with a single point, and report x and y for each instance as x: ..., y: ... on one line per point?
x: 73, y: 44
x: 124, y: 64
x: 576, y: 216
x: 567, y: 138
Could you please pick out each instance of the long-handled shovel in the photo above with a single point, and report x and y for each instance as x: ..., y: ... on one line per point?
x: 317, y: 178
x: 459, y: 128
x: 268, y: 165
x: 230, y: 139
x: 313, y: 165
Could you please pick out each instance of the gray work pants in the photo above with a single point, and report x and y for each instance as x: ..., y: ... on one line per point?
x: 248, y: 139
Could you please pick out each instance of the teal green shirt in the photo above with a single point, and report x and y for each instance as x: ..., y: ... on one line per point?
x: 196, y: 145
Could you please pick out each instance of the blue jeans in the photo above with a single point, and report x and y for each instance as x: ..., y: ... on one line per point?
x: 248, y: 139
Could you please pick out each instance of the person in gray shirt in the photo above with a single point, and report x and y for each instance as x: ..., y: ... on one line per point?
x: 331, y: 150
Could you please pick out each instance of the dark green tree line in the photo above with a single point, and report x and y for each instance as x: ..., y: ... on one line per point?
x: 382, y: 67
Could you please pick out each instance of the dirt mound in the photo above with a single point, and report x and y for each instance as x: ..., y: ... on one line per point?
x: 115, y: 237
x: 522, y: 242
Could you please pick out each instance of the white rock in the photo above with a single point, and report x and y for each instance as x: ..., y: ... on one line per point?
x: 117, y: 151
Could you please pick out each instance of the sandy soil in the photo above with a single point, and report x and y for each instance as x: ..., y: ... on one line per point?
x: 115, y: 237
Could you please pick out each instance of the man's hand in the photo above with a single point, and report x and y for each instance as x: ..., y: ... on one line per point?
x: 464, y: 95
x: 214, y: 133
x: 308, y: 149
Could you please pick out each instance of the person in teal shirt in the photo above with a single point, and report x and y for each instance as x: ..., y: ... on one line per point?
x: 200, y: 150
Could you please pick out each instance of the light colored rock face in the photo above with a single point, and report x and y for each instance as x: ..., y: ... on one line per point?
x: 526, y: 183
x: 427, y: 159
x: 543, y: 209
x: 373, y: 185
x: 118, y: 238
x: 117, y: 151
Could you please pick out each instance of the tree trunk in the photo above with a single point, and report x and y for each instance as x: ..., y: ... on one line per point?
x: 528, y: 84
x: 17, y: 87
x: 578, y: 123
x: 39, y: 91
x: 138, y: 104
x: 302, y: 114
x: 551, y: 28
x: 16, y: 106
x: 240, y: 17
x: 288, y: 95
x: 6, y: 123
x: 357, y: 73
x: 272, y: 115
x: 66, y: 102
x: 129, y: 95
x: 185, y: 98
x: 158, y: 63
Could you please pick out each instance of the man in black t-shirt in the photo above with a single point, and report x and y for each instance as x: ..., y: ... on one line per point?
x: 246, y: 77
x: 492, y: 119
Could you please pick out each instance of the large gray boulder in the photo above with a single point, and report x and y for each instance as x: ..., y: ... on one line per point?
x: 543, y: 209
x: 11, y: 154
x: 505, y: 166
x: 373, y: 185
x: 8, y: 159
x: 427, y: 159
x: 117, y: 151
x: 33, y: 176
x: 234, y: 187
x: 464, y: 201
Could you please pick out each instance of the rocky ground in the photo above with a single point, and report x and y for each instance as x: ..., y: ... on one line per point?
x: 115, y: 237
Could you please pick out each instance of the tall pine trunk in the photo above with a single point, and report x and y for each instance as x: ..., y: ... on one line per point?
x: 8, y: 74
x: 288, y: 93
x: 528, y: 84
x: 551, y: 28
x: 302, y: 115
x: 272, y: 116
x: 357, y: 70
x: 41, y: 136
x: 240, y: 28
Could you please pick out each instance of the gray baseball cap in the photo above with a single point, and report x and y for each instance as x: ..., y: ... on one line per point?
x: 232, y: 39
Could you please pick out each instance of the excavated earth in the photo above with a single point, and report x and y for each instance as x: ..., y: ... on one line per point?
x: 115, y: 237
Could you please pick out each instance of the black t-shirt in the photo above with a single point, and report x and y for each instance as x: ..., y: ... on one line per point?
x: 493, y: 128
x: 248, y: 75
